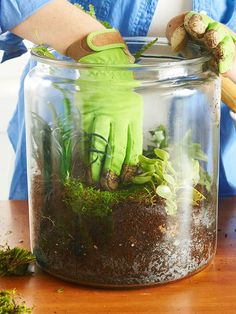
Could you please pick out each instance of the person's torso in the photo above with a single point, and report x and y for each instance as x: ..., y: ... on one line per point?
x: 132, y: 18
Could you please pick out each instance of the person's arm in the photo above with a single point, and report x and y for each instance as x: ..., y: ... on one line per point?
x: 57, y: 24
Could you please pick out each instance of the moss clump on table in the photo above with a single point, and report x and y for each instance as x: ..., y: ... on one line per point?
x: 9, y: 303
x: 15, y: 261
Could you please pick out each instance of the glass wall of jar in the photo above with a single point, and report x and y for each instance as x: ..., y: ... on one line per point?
x: 123, y: 166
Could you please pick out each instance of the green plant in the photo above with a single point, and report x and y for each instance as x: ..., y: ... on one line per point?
x: 193, y: 151
x: 43, y: 51
x: 15, y: 261
x: 158, y: 140
x: 61, y: 145
x: 167, y: 177
x: 55, y: 143
x: 140, y: 52
x: 8, y: 303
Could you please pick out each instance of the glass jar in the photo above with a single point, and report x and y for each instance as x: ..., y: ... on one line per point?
x: 123, y: 166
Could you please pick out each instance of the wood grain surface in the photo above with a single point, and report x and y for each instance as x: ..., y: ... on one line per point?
x: 212, y: 290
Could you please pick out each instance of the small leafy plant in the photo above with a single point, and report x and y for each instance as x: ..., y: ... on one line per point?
x: 168, y: 177
x: 158, y: 140
x: 43, y: 51
x: 9, y: 303
x: 15, y: 261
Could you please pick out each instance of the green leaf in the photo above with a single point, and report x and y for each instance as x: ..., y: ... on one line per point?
x: 197, y: 196
x: 169, y: 179
x: 190, y: 195
x: 160, y: 167
x: 162, y: 154
x: 139, y: 53
x: 146, y: 160
x: 195, y: 151
x: 195, y: 172
x: 171, y: 207
x: 205, y: 179
x: 158, y: 178
x: 92, y: 11
x: 164, y: 191
x: 148, y: 168
x: 158, y: 136
x: 142, y: 178
x: 170, y: 169
x: 147, y: 164
x: 43, y: 52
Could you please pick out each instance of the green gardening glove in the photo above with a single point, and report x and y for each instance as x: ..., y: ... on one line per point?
x: 200, y: 27
x: 111, y: 112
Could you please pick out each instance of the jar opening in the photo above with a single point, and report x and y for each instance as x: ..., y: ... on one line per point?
x: 159, y: 55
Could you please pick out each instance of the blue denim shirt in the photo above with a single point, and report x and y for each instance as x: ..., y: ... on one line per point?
x: 132, y: 18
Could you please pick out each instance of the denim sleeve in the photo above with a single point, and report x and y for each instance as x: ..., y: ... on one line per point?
x: 12, y: 13
x: 223, y: 11
x: 12, y: 46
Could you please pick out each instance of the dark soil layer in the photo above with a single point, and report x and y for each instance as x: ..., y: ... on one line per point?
x: 136, y: 244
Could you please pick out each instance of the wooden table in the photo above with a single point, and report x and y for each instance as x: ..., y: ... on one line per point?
x: 211, y: 291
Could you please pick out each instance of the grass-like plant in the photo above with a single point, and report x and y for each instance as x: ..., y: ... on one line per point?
x: 58, y: 146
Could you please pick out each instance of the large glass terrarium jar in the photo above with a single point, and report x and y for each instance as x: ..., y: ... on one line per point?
x: 123, y: 166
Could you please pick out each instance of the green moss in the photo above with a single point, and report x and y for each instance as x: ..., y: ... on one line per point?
x: 15, y: 261
x: 8, y: 304
x: 90, y: 201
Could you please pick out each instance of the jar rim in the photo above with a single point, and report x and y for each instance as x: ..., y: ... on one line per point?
x: 203, y: 57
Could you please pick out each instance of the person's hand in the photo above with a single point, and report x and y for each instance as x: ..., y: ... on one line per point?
x: 200, y: 27
x: 111, y: 112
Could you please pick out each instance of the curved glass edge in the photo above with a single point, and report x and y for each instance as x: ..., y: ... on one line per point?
x: 157, y: 65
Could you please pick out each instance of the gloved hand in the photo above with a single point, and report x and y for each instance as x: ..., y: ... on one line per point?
x: 111, y: 112
x: 200, y: 27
